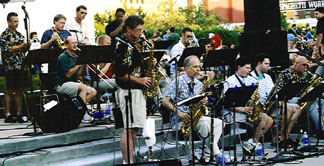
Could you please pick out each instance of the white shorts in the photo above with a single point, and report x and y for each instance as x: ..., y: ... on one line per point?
x: 138, y: 107
x: 69, y: 88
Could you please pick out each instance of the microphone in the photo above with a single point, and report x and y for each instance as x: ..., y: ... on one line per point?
x: 274, y: 68
x: 122, y: 41
x: 24, y: 9
x: 75, y: 31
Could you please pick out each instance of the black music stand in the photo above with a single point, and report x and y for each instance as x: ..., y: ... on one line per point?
x: 157, y: 54
x: 40, y: 56
x: 311, y: 96
x: 95, y: 54
x: 221, y: 57
x: 162, y: 44
x: 284, y: 94
x: 230, y: 100
x: 91, y: 54
x: 198, y: 51
x: 190, y: 102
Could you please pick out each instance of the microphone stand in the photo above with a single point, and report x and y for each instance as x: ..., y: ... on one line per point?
x: 27, y: 27
x: 176, y: 101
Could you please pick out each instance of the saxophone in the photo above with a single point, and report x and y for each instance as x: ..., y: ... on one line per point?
x: 315, y: 81
x: 153, y: 73
x: 256, y: 106
x: 198, y: 110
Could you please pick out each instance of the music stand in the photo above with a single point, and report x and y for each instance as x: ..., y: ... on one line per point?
x: 163, y: 44
x: 220, y: 57
x: 231, y: 100
x: 190, y: 102
x: 39, y: 56
x: 285, y: 93
x: 198, y: 51
x: 311, y: 96
x: 91, y: 54
x: 157, y: 54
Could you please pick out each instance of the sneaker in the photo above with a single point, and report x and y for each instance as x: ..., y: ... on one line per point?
x: 23, y: 119
x: 10, y: 119
x: 87, y: 118
x: 249, y: 145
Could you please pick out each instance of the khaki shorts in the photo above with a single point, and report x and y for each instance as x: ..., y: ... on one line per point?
x: 69, y: 88
x: 138, y: 108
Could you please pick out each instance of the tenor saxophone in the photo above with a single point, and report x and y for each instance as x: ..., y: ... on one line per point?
x: 153, y: 73
x: 198, y: 110
x: 315, y: 81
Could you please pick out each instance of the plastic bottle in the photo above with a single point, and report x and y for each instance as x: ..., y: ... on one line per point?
x: 258, y: 150
x: 305, y: 140
x: 107, y: 111
x: 220, y: 159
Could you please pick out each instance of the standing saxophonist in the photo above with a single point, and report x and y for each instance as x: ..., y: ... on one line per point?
x: 129, y: 72
x: 190, y: 86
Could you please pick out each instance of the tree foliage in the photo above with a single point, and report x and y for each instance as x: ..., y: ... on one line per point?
x: 166, y: 15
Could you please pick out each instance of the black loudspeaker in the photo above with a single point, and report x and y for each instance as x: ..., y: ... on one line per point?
x: 261, y: 15
x: 174, y: 162
x: 65, y: 116
x: 274, y: 43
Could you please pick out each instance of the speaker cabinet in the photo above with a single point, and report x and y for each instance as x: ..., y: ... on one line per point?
x: 274, y: 43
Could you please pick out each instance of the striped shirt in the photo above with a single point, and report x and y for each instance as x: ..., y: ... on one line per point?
x: 265, y: 85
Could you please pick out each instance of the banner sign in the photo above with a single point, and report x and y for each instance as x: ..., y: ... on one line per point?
x: 300, y: 5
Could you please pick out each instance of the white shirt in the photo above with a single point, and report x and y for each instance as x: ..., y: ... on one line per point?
x: 176, y: 50
x: 265, y: 85
x: 232, y: 82
x: 82, y: 30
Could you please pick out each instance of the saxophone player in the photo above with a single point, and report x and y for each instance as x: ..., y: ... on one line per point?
x: 129, y: 71
x: 188, y: 86
x: 264, y: 88
x: 242, y: 78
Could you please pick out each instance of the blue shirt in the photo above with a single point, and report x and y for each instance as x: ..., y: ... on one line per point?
x: 47, y: 35
x: 184, y: 92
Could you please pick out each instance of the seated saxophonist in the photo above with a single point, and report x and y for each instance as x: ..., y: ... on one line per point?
x: 292, y: 74
x: 242, y: 78
x: 189, y: 86
x: 264, y: 88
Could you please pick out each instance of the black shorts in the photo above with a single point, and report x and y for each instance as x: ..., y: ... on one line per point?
x: 16, y: 79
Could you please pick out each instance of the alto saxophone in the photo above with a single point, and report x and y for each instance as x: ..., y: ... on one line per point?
x: 256, y: 106
x: 315, y: 81
x: 153, y: 73
x: 197, y: 110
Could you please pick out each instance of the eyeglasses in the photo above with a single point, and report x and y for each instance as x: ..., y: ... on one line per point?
x: 189, y: 36
x: 305, y: 64
x: 84, y: 13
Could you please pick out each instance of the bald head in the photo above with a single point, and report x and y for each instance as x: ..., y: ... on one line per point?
x: 301, y: 64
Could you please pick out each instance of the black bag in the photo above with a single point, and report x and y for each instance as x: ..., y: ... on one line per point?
x: 65, y: 116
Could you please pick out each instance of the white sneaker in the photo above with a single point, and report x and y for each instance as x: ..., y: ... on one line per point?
x: 249, y: 145
x: 87, y: 118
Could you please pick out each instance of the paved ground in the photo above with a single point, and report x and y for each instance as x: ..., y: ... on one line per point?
x: 16, y: 130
